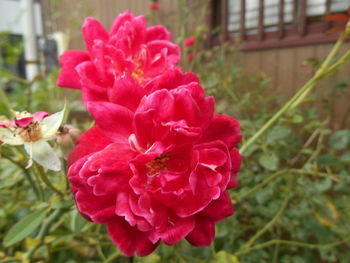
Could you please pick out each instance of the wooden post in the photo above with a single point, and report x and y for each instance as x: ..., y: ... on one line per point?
x: 302, y: 18
x: 281, y: 18
x: 261, y: 20
x: 328, y: 12
x: 224, y: 21
x: 242, y: 21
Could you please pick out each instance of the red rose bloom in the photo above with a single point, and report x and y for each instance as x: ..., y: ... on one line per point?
x: 129, y: 52
x: 159, y: 170
x: 154, y: 7
x: 189, y: 42
x: 191, y: 56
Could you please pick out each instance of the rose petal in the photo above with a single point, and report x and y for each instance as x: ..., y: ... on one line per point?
x: 120, y: 93
x: 218, y: 209
x: 157, y: 32
x: 223, y: 128
x: 203, y: 233
x: 68, y: 77
x: 87, y: 143
x: 129, y: 239
x: 114, y: 120
x: 93, y: 30
x: 24, y: 122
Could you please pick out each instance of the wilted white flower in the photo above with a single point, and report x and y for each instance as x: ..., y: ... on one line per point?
x: 33, y: 131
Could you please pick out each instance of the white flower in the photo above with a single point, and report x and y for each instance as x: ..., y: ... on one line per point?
x: 33, y: 131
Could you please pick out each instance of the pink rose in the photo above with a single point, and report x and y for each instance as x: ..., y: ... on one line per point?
x: 130, y: 51
x: 159, y: 171
x: 189, y: 42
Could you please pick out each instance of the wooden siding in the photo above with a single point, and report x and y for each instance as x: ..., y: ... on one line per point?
x: 67, y: 16
x: 288, y: 72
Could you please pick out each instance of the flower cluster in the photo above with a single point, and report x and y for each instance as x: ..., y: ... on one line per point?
x: 158, y: 162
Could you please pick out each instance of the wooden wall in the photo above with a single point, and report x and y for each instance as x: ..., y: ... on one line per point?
x: 68, y: 16
x: 288, y: 72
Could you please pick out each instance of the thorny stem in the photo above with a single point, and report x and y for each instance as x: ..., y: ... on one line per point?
x: 306, y: 89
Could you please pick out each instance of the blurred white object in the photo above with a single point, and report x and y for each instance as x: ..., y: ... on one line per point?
x: 30, y: 39
x: 61, y: 41
x: 24, y: 18
x: 12, y: 19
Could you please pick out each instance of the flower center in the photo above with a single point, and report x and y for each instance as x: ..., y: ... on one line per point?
x: 157, y: 165
x: 138, y: 74
x: 30, y: 133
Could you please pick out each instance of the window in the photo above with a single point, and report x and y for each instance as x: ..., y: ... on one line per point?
x: 273, y: 23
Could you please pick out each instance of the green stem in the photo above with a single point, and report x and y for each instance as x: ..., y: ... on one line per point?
x: 17, y: 79
x: 9, y: 260
x: 303, y: 92
x: 318, y: 149
x: 339, y: 63
x: 5, y: 101
x: 46, y: 180
x: 44, y: 230
x: 50, y: 220
x: 276, y: 250
x: 98, y: 246
x: 320, y: 174
x: 112, y: 257
x: 266, y: 181
x: 26, y: 174
x: 292, y: 243
x: 280, y: 211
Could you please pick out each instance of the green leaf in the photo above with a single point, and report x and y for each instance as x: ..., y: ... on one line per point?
x: 225, y: 257
x: 277, y: 133
x: 339, y: 140
x: 152, y: 258
x: 298, y: 119
x: 76, y: 221
x: 264, y: 195
x: 342, y: 85
x: 326, y: 159
x: 24, y: 227
x: 345, y: 157
x: 269, y: 161
x: 62, y: 204
x: 323, y: 184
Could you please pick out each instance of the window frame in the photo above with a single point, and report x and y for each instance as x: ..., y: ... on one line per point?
x: 305, y: 32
